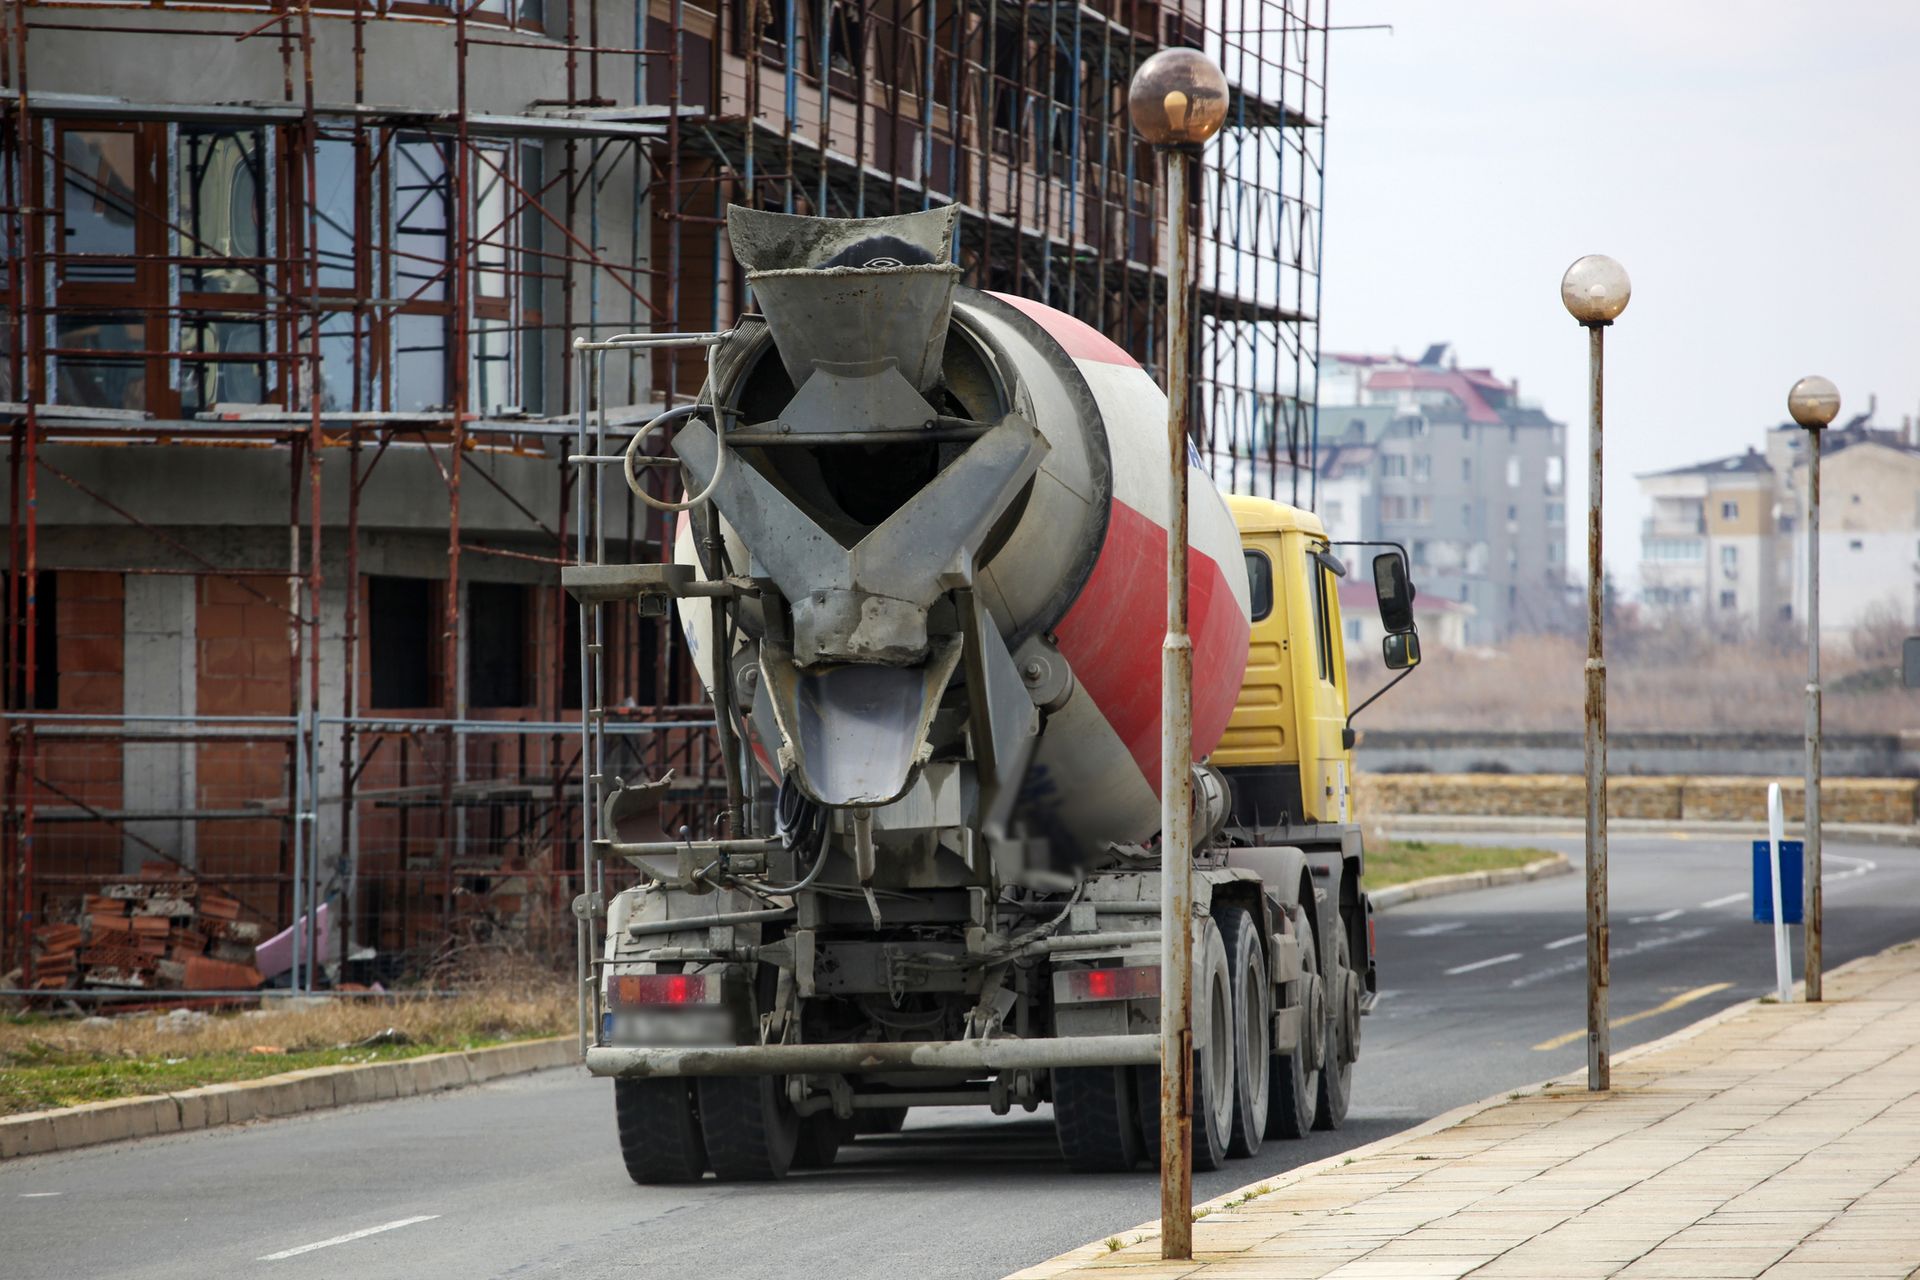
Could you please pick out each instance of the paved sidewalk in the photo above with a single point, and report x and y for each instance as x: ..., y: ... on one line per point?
x: 1774, y: 1141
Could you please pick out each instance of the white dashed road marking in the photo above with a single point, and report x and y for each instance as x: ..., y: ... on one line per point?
x: 1483, y: 964
x: 1727, y: 901
x: 361, y: 1234
x: 1662, y: 918
x: 1567, y: 941
x: 1429, y: 930
x: 37, y: 1195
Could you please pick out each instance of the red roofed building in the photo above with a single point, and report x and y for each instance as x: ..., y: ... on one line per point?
x: 1466, y: 476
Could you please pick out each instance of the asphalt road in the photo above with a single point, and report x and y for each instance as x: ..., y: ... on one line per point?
x: 1481, y: 992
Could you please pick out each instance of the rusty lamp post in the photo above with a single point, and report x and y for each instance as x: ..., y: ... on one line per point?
x: 1178, y: 100
x: 1814, y: 402
x: 1595, y: 290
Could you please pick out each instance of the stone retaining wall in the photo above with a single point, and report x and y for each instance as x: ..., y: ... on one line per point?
x: 1880, y: 801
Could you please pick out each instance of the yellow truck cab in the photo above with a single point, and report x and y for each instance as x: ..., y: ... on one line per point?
x: 1284, y: 750
x: 1287, y: 753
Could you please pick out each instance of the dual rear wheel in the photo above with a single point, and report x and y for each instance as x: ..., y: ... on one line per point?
x: 740, y: 1127
x: 1108, y: 1118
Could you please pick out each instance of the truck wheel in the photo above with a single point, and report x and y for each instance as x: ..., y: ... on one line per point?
x: 750, y: 1130
x: 1096, y: 1119
x: 1212, y: 1072
x: 659, y: 1132
x: 1293, y: 1100
x: 1342, y: 1040
x: 820, y: 1137
x: 879, y: 1121
x: 1252, y: 1028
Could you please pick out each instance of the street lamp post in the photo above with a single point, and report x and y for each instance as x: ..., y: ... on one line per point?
x: 1814, y: 402
x: 1595, y: 290
x: 1178, y: 100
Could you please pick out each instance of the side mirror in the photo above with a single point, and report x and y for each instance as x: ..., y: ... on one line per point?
x: 1910, y: 662
x: 1401, y: 650
x: 1394, y: 590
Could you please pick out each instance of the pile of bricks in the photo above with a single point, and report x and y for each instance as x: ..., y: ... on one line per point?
x: 163, y: 931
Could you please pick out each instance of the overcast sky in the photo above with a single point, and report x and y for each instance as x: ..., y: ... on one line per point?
x: 1754, y: 166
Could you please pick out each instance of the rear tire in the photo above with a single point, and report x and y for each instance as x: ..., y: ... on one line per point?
x: 1097, y: 1119
x: 820, y: 1137
x: 659, y: 1131
x: 1293, y: 1101
x: 1252, y: 1028
x: 1211, y: 1075
x: 1341, y: 1041
x: 751, y: 1132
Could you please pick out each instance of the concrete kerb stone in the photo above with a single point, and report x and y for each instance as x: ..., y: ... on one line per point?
x: 1065, y: 1262
x: 1415, y: 824
x: 293, y: 1092
x: 1466, y: 881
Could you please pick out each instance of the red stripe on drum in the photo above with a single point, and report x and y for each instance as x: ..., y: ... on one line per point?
x: 1079, y: 340
x: 1112, y: 636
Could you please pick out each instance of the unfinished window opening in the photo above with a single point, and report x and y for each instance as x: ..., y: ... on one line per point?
x: 46, y: 645
x: 403, y: 640
x: 496, y: 645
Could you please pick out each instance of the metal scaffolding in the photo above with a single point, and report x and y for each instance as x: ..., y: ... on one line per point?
x: 343, y: 279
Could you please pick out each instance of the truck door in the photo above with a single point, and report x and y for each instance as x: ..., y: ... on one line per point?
x: 1325, y: 770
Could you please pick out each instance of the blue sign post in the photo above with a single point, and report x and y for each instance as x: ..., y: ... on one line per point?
x: 1792, y: 873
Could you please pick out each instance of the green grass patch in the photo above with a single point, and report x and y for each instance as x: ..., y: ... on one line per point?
x: 1402, y: 860
x: 41, y: 1077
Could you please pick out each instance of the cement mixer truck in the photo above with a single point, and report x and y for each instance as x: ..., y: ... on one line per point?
x: 920, y: 566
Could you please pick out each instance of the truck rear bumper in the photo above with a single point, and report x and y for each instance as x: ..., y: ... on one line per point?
x: 931, y: 1055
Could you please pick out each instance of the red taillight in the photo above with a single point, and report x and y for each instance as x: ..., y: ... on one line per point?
x: 636, y: 989
x: 1139, y: 982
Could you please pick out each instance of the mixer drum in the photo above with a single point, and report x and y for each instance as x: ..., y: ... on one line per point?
x: 1066, y: 552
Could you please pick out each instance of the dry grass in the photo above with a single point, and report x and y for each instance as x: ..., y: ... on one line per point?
x: 1657, y: 682
x: 48, y: 1061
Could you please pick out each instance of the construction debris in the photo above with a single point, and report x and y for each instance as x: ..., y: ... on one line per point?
x: 163, y: 931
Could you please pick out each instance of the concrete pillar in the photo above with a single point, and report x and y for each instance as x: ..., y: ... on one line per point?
x: 161, y: 666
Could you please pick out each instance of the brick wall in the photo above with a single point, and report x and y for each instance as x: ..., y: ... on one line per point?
x: 89, y: 623
x: 242, y: 653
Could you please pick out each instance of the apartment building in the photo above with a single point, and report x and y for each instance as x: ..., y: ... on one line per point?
x: 1725, y: 544
x: 1463, y: 474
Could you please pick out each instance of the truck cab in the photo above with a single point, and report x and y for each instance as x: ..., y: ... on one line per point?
x: 1285, y: 750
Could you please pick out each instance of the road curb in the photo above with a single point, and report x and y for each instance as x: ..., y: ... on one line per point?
x: 1466, y: 881
x: 1905, y: 837
x: 290, y: 1093
x: 1067, y: 1261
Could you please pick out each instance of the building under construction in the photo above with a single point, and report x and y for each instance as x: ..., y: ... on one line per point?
x: 292, y: 408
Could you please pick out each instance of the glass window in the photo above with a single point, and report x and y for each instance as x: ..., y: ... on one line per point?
x: 222, y: 208
x: 1322, y: 614
x: 205, y: 383
x: 492, y: 365
x: 1513, y: 473
x: 419, y: 362
x: 1259, y: 584
x: 420, y: 219
x: 337, y: 378
x: 491, y: 222
x: 338, y: 240
x: 97, y: 211
x: 100, y: 382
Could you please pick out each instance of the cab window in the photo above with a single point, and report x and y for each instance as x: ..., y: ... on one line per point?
x: 1259, y: 584
x: 1322, y: 615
